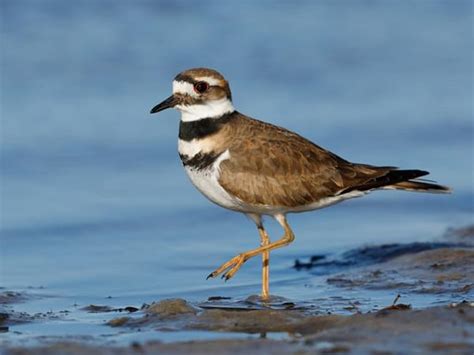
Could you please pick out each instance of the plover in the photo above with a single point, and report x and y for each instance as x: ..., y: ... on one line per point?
x: 257, y: 168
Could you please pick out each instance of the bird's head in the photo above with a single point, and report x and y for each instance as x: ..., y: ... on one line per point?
x: 199, y: 93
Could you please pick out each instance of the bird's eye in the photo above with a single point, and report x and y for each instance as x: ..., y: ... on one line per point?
x: 201, y: 87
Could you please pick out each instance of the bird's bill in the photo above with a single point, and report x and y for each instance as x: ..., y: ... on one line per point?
x: 168, y: 103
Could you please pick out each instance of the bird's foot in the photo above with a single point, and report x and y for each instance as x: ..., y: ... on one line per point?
x: 229, y: 268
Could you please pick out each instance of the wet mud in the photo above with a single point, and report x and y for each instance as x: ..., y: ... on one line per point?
x: 9, y: 317
x: 389, y: 330
x: 439, y: 271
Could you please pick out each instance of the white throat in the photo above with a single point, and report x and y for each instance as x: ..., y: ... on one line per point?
x: 210, y: 109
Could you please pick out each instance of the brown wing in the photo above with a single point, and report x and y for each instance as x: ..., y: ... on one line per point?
x: 270, y: 165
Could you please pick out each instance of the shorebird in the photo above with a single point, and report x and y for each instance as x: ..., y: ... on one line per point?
x: 257, y: 168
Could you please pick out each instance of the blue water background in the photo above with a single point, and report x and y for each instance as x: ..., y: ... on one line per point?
x: 94, y: 201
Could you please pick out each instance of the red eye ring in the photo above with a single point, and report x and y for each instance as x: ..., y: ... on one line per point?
x: 201, y: 87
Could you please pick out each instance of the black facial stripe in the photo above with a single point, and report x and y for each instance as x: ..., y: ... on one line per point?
x: 200, y: 161
x: 203, y: 127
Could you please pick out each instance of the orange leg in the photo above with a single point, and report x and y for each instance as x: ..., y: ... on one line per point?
x: 229, y: 268
x: 264, y: 241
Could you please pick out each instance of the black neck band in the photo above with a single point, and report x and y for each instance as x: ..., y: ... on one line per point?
x: 203, y: 127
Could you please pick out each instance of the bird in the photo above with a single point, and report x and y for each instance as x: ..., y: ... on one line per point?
x: 260, y: 169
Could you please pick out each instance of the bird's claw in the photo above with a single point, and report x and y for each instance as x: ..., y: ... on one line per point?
x: 229, y: 268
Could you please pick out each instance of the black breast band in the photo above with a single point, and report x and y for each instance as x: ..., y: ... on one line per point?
x: 200, y: 161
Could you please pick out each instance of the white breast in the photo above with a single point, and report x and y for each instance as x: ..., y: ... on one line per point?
x: 206, y: 181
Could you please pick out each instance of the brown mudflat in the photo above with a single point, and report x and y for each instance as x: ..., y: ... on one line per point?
x: 442, y: 270
x: 422, y: 331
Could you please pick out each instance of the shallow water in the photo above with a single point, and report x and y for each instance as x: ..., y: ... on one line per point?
x: 95, y: 202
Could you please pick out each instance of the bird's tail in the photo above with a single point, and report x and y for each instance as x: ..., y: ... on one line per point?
x: 392, y: 178
x: 408, y: 180
x: 420, y: 186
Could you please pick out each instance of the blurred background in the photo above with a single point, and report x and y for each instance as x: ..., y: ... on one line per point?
x: 94, y: 200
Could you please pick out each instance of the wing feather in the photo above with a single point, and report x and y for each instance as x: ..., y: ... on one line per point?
x: 270, y: 165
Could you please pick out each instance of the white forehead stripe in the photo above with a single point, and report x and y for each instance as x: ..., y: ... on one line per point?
x: 183, y: 87
x: 211, y: 81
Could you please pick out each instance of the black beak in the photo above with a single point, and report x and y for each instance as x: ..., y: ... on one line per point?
x: 168, y: 103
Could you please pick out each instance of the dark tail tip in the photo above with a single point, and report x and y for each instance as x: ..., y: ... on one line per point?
x: 402, y: 180
x: 420, y: 186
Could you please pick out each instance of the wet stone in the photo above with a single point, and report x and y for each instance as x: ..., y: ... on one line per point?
x: 118, y: 322
x: 105, y: 309
x: 4, y: 317
x: 10, y: 297
x: 218, y: 298
x: 171, y: 307
x: 97, y: 309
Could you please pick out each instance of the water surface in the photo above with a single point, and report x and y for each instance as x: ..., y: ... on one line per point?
x: 94, y: 200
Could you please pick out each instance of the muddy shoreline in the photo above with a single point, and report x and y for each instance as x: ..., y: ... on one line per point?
x: 441, y: 271
x: 390, y: 330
